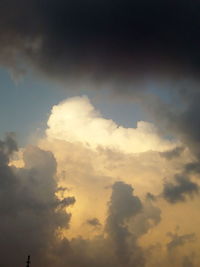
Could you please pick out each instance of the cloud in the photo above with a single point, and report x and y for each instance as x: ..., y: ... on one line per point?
x: 118, y: 246
x: 89, y: 169
x: 188, y: 262
x: 34, y: 219
x: 148, y: 218
x: 76, y: 120
x: 94, y: 222
x: 30, y: 212
x: 174, y: 192
x: 179, y: 240
x: 69, y: 166
x: 104, y: 40
x: 170, y: 154
x: 102, y: 182
x: 181, y: 119
x: 7, y: 147
x: 192, y: 167
x: 123, y: 205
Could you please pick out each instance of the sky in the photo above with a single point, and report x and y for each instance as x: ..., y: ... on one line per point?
x: 99, y: 133
x: 37, y: 95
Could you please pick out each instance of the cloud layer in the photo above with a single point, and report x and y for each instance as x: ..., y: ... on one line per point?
x: 107, y: 40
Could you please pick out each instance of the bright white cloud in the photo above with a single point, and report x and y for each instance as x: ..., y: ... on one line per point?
x: 76, y: 120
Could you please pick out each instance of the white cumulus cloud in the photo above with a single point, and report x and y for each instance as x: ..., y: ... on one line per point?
x: 77, y: 120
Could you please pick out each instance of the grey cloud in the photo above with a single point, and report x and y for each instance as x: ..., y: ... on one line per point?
x: 187, y: 262
x: 179, y: 240
x: 193, y: 167
x: 117, y: 246
x: 31, y: 215
x: 181, y: 119
x: 187, y: 123
x: 174, y: 153
x: 30, y: 212
x: 179, y: 189
x: 67, y: 201
x: 7, y: 147
x: 62, y: 189
x: 123, y: 205
x: 94, y: 222
x: 150, y: 196
x: 149, y: 217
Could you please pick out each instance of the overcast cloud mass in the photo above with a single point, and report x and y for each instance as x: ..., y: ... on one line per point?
x: 91, y: 192
x: 102, y: 40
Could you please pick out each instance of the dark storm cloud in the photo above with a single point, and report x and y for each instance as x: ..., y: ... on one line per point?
x: 30, y: 213
x: 177, y: 191
x: 107, y: 39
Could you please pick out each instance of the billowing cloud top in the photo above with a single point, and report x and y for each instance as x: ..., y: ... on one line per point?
x: 76, y: 120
